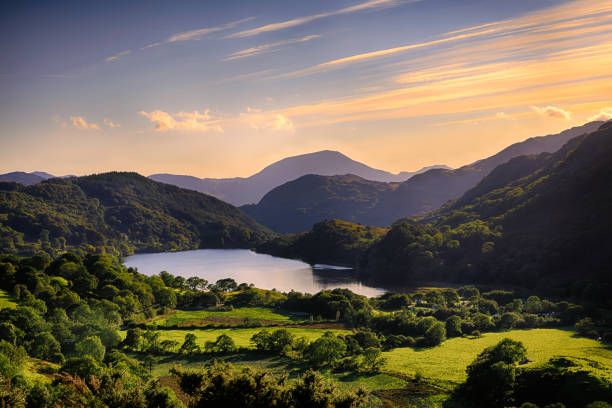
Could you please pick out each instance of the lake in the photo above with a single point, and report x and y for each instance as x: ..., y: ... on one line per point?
x: 242, y: 265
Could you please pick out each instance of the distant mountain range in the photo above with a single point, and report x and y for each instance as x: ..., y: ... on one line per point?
x: 240, y: 191
x: 28, y: 179
x: 298, y: 204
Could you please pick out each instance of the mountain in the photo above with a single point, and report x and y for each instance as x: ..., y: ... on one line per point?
x: 121, y: 212
x: 298, y: 204
x: 26, y: 179
x: 44, y: 174
x: 241, y: 191
x: 539, y: 221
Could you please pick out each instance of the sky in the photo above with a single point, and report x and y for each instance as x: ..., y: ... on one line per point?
x: 224, y: 88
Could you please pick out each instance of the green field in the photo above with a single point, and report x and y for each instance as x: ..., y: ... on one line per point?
x: 242, y: 337
x: 448, y: 361
x: 238, y: 314
x: 6, y: 300
x: 279, y: 366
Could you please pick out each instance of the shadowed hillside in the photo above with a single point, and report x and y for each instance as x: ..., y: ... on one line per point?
x: 124, y: 211
x: 297, y: 205
x: 240, y: 191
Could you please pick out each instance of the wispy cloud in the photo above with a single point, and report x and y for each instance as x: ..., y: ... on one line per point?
x: 270, y: 47
x: 581, y: 16
x: 605, y: 114
x: 371, y: 4
x: 198, y: 33
x: 80, y: 123
x: 110, y: 123
x: 117, y: 56
x: 552, y: 112
x: 188, y: 121
x: 257, y: 119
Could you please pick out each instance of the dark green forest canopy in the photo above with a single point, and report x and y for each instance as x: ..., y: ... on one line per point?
x: 537, y: 221
x: 120, y: 212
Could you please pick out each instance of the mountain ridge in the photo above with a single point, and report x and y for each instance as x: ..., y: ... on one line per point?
x: 416, y: 196
x: 250, y: 190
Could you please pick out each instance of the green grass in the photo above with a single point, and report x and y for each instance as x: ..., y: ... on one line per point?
x: 252, y: 313
x: 6, y: 300
x: 240, y: 336
x: 448, y: 361
x: 279, y: 366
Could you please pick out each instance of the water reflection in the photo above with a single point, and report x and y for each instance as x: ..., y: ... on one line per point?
x: 264, y: 271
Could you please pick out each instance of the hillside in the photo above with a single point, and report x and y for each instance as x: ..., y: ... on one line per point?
x: 298, y: 204
x: 121, y: 211
x: 537, y: 221
x: 333, y: 241
x: 249, y: 190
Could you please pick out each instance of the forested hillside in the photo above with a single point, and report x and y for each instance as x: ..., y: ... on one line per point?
x: 121, y: 212
x: 298, y: 204
x: 537, y: 221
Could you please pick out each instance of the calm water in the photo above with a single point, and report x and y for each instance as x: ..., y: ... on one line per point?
x: 264, y: 271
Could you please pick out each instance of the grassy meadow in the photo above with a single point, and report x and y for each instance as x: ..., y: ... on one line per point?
x: 447, y: 362
x: 241, y: 336
x: 253, y: 314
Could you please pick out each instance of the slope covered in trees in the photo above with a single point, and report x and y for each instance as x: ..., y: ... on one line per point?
x: 120, y: 211
x: 298, y: 204
x: 536, y: 221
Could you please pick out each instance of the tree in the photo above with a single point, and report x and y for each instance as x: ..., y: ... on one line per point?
x: 584, y: 326
x: 189, y: 346
x: 223, y: 344
x: 436, y: 334
x: 133, y: 339
x: 453, y: 326
x: 491, y: 376
x: 372, y: 359
x: 226, y: 285
x: 150, y: 361
x: 508, y: 320
x: 91, y: 346
x: 85, y: 367
x: 326, y: 350
x: 196, y: 284
x: 46, y: 347
x: 158, y: 396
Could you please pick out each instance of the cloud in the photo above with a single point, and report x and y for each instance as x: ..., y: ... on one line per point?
x: 80, y: 123
x: 605, y: 114
x: 259, y: 120
x: 553, y: 112
x: 110, y: 123
x: 61, y: 122
x: 371, y: 4
x: 198, y: 33
x: 579, y: 17
x: 249, y: 52
x: 188, y: 121
x: 117, y: 56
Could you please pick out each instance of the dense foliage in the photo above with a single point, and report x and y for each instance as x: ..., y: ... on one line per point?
x: 299, y: 204
x: 537, y: 221
x: 495, y: 379
x: 295, y: 206
x: 118, y: 213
